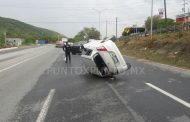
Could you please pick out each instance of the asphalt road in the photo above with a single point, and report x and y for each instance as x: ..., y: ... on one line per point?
x: 36, y: 85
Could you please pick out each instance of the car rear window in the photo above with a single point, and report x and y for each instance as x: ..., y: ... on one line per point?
x: 88, y: 52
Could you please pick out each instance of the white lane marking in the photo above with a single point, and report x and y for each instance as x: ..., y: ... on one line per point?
x: 124, y: 102
x: 44, y: 110
x: 169, y: 95
x: 25, y: 60
x: 117, y: 94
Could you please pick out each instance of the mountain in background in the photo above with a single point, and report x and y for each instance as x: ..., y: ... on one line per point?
x: 30, y: 33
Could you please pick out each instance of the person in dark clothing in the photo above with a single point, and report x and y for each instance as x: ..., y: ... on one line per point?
x: 82, y: 47
x: 67, y: 49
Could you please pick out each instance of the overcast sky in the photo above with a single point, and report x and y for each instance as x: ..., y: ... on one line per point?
x: 68, y: 17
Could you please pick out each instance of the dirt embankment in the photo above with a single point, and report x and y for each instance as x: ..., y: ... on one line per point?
x: 170, y: 48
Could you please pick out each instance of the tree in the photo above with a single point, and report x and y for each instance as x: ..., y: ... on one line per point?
x: 71, y: 40
x: 159, y: 22
x: 2, y: 41
x: 87, y: 33
x: 156, y: 20
x: 169, y: 22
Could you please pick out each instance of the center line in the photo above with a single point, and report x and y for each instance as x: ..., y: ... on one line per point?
x: 169, y: 95
x: 44, y: 110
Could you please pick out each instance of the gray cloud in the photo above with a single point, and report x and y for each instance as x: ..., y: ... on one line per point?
x: 70, y: 16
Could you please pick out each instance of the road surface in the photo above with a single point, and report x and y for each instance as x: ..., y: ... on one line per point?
x: 36, y: 85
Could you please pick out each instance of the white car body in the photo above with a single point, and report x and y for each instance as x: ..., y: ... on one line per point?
x: 103, y: 58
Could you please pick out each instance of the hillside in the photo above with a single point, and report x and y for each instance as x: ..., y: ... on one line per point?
x: 170, y: 48
x: 15, y: 28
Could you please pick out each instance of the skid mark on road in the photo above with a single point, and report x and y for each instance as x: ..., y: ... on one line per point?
x: 44, y: 110
x: 169, y: 95
x: 124, y: 102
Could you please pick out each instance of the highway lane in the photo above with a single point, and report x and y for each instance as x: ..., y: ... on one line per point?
x: 150, y: 104
x: 5, y: 51
x: 50, y: 90
x: 80, y: 97
x: 18, y: 56
x: 19, y: 72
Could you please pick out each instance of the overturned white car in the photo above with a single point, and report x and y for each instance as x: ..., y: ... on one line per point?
x: 103, y: 58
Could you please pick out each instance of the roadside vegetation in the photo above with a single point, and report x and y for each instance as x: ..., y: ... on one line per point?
x: 170, y: 48
x: 170, y: 43
x: 17, y: 29
x: 86, y: 34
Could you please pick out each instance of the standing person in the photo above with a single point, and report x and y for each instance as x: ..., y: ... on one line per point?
x: 67, y: 49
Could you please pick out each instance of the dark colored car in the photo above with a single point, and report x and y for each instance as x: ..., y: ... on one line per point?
x: 76, y: 49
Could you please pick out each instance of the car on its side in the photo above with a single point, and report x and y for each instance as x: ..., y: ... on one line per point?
x: 103, y: 58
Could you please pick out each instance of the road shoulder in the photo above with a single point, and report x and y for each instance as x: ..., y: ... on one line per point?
x: 162, y: 66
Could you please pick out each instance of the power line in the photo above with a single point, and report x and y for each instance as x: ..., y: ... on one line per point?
x: 63, y: 22
x: 109, y: 22
x: 71, y: 15
x: 106, y: 28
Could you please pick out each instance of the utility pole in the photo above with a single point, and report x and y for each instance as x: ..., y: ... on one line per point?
x: 165, y: 8
x: 184, y: 10
x: 106, y: 28
x: 151, y: 33
x: 116, y: 29
x: 5, y: 34
x: 99, y: 16
x: 188, y: 14
x: 58, y: 38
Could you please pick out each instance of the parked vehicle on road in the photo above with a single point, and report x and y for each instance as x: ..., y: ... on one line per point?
x: 103, y: 58
x: 76, y: 49
x: 59, y: 44
x: 40, y: 42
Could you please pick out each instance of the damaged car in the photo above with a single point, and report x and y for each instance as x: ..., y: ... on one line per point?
x: 103, y: 58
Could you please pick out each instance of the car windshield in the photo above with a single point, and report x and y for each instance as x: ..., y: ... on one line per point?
x: 94, y: 60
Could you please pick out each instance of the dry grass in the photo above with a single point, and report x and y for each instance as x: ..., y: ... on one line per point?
x: 170, y: 48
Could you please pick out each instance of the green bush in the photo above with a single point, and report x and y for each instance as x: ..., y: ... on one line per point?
x: 124, y: 38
